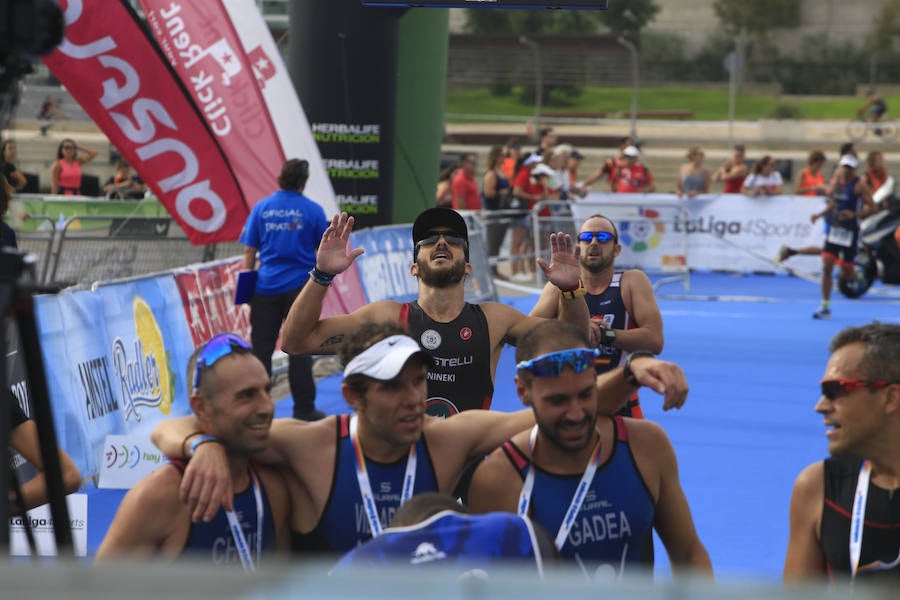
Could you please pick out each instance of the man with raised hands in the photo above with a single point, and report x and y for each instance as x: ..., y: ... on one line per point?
x: 465, y: 339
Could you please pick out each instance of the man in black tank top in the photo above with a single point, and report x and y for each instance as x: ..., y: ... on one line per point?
x: 845, y: 511
x: 466, y: 340
x: 625, y: 317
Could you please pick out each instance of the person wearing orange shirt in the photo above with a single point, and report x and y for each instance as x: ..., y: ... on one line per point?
x: 876, y: 174
x: 810, y: 183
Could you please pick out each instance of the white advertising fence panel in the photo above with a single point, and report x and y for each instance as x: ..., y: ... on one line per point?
x: 729, y: 232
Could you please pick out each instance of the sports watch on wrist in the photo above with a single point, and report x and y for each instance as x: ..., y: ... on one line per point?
x: 607, y: 337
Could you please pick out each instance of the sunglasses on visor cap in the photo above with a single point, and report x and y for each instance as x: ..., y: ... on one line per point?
x: 214, y: 349
x: 835, y: 388
x: 434, y: 236
x: 551, y: 365
x: 602, y: 236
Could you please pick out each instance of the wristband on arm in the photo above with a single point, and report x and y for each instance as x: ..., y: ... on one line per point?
x: 626, y: 368
x: 323, y: 279
x: 184, y: 449
x: 202, y: 439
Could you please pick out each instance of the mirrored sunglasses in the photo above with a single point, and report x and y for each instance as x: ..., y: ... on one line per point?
x: 432, y: 239
x: 835, y: 388
x: 215, y: 348
x: 551, y: 365
x: 601, y: 236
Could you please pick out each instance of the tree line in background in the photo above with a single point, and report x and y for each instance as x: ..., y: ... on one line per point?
x: 817, y: 68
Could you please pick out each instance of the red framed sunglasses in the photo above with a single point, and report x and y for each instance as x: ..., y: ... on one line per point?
x: 835, y: 388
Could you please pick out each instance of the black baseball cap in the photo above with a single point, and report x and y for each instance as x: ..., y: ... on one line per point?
x: 439, y: 218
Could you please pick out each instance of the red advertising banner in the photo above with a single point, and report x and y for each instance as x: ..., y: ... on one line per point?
x: 114, y: 71
x: 203, y: 48
x: 207, y: 294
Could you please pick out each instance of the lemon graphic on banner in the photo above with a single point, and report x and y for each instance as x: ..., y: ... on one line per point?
x: 148, y: 332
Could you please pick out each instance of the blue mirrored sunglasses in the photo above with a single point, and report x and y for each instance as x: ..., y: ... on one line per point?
x: 602, y: 236
x: 214, y: 349
x: 551, y: 365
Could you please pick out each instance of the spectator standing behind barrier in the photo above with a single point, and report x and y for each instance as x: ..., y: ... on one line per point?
x: 558, y: 161
x: 465, y: 190
x: 124, y: 184
x: 876, y: 174
x: 764, y: 179
x: 611, y: 164
x: 733, y: 171
x: 495, y: 194
x: 693, y: 177
x: 810, y: 183
x: 632, y: 176
x: 849, y: 200
x: 49, y: 112
x: 512, y: 152
x: 845, y: 510
x: 582, y: 474
x: 577, y: 188
x: 285, y: 230
x: 548, y: 140
x: 23, y: 438
x: 444, y: 194
x: 625, y: 317
x: 65, y: 174
x: 13, y: 175
x: 435, y: 531
x: 812, y: 180
x: 229, y: 396
x: 526, y: 193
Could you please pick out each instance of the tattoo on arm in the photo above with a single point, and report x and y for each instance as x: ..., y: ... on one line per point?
x: 332, y: 341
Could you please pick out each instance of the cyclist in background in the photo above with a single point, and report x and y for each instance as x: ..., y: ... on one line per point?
x: 876, y: 106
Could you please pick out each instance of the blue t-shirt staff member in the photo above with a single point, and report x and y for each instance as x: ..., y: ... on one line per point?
x: 285, y: 230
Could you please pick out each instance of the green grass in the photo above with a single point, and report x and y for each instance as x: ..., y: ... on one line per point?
x: 707, y: 104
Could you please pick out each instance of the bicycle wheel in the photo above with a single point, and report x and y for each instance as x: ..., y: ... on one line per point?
x: 886, y: 130
x: 856, y: 129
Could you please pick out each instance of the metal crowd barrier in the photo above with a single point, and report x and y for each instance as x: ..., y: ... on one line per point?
x: 89, y: 248
x: 39, y: 243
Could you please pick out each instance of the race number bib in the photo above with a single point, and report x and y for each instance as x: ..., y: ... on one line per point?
x: 840, y: 236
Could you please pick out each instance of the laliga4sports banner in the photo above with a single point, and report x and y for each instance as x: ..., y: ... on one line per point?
x: 116, y: 73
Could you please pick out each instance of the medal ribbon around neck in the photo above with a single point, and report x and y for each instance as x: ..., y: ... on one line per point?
x: 365, y: 487
x: 237, y: 532
x: 577, y: 497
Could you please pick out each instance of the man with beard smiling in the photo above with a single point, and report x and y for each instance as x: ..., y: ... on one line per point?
x: 625, y: 317
x: 464, y: 339
x: 599, y: 484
